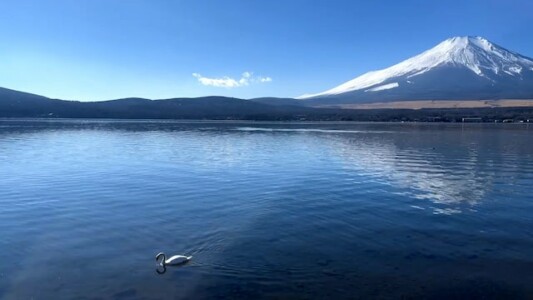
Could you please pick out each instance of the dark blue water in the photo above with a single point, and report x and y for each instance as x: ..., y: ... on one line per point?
x: 268, y: 210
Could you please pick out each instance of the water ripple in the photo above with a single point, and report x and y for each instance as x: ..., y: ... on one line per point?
x: 274, y: 210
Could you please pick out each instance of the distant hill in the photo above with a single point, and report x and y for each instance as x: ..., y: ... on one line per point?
x: 14, y: 104
x: 20, y: 104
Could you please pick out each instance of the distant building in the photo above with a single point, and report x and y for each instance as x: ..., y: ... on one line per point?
x: 472, y: 120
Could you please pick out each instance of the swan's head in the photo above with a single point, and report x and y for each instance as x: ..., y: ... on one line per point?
x: 160, y: 254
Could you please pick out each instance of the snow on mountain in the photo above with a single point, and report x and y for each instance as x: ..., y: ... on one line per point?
x: 384, y: 87
x: 487, y: 61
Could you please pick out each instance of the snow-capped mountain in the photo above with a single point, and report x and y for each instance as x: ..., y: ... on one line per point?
x: 457, y: 68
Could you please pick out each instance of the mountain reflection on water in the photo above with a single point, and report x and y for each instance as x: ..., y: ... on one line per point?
x: 428, y: 174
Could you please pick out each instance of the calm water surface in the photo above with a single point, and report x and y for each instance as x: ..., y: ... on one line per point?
x: 268, y: 210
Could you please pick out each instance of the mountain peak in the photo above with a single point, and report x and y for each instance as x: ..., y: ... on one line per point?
x: 460, y: 43
x: 464, y: 41
x: 473, y: 53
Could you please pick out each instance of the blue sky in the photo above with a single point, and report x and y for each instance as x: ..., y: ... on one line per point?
x: 108, y: 49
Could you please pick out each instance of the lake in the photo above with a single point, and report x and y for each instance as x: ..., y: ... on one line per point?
x: 267, y: 210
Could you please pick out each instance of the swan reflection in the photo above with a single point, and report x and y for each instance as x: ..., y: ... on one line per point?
x: 161, y: 269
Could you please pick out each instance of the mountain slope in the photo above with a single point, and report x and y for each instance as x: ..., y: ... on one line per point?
x: 457, y: 68
x: 20, y: 104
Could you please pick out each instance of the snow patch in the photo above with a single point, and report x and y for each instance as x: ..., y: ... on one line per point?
x: 384, y: 87
x: 516, y: 70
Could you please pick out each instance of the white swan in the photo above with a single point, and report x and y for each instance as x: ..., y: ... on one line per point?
x: 172, y: 261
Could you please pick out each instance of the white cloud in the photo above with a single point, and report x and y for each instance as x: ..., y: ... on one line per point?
x: 218, y: 82
x: 227, y: 82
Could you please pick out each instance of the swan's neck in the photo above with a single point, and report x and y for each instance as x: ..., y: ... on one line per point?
x: 163, y: 259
